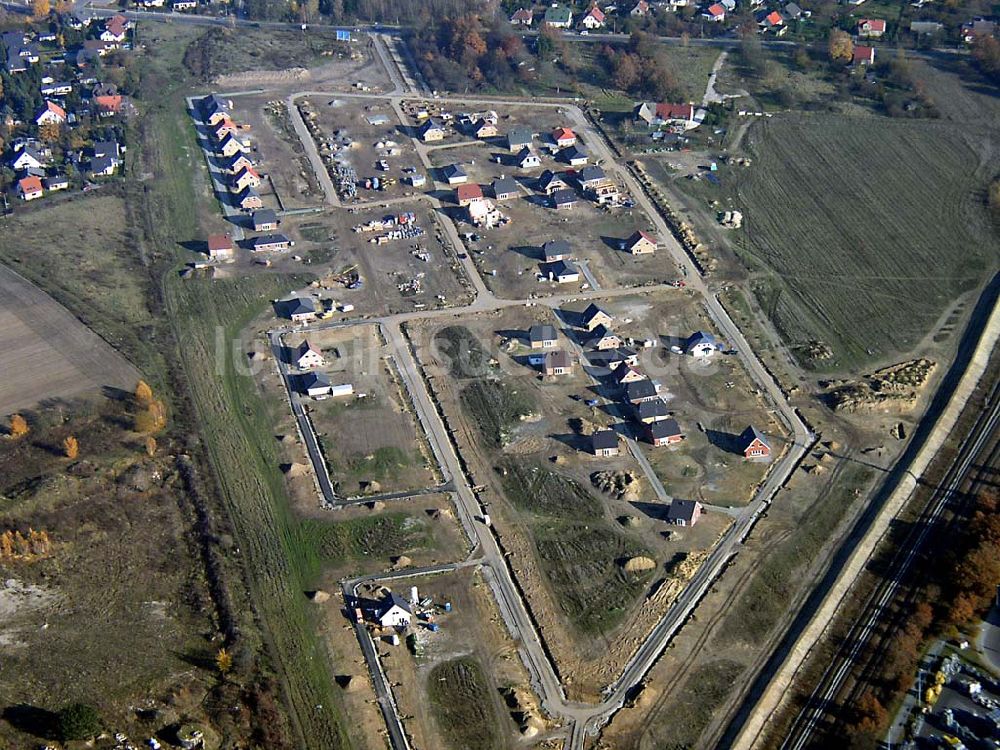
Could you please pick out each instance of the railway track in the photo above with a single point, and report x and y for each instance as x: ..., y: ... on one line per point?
x: 811, y: 718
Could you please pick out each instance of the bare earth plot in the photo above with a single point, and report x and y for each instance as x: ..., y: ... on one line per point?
x: 861, y: 230
x: 46, y: 353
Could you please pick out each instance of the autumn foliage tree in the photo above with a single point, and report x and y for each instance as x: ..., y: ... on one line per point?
x: 224, y: 661
x: 71, y: 447
x: 840, y: 46
x: 40, y: 8
x: 143, y: 393
x: 18, y: 426
x: 150, y: 446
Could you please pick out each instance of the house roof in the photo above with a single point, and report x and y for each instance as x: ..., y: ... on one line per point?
x: 558, y: 358
x: 469, y: 192
x: 454, y: 170
x: 30, y: 184
x: 623, y: 371
x: 716, y: 9
x: 315, y: 380
x: 640, y: 235
x: 431, y: 124
x: 219, y: 242
x: 792, y: 10
x: 109, y: 103
x: 576, y: 151
x: 683, y: 510
x: 863, y: 53
x: 504, y: 185
x: 593, y: 311
x: 601, y: 332
x: 265, y: 216
x: 596, y: 13
x: 591, y: 173
x: 556, y: 247
x: 53, y: 108
x: 640, y: 389
x: 106, y: 148
x: 29, y: 153
x: 875, y: 24
x: 214, y: 103
x: 524, y: 154
x: 307, y: 346
x: 750, y: 434
x: 299, y: 305
x: 101, y: 164
x: 774, y: 18
x: 56, y: 179
x: 563, y: 268
x: 269, y: 239
x: 394, y: 600
x: 604, y: 439
x: 521, y: 15
x: 664, y: 428
x: 549, y: 177
x: 668, y: 111
x: 249, y: 193
x: 563, y: 197
x: 519, y: 136
x: 562, y: 133
x: 652, y: 409
x: 700, y: 337
x: 542, y: 332
x: 558, y: 14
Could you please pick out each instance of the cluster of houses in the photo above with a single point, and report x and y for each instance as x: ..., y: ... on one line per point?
x: 233, y: 149
x: 561, y: 190
x: 39, y: 166
x: 593, y: 18
x: 32, y: 162
x: 177, y: 6
x: 221, y: 247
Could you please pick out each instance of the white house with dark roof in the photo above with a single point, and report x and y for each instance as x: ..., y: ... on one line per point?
x: 701, y: 344
x: 394, y: 612
x: 308, y: 356
x: 684, y: 512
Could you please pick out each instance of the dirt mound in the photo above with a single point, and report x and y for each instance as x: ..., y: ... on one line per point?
x: 295, y: 469
x: 377, y: 505
x: 401, y: 562
x: 524, y: 446
x: 893, y: 388
x: 370, y: 487
x: 348, y: 681
x: 638, y: 564
x: 623, y: 485
x: 319, y: 596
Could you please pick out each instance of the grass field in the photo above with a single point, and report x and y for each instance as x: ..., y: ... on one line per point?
x: 81, y: 253
x: 463, y: 707
x: 860, y: 231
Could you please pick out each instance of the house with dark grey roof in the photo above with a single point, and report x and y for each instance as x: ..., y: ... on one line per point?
x: 314, y: 384
x: 575, y: 155
x: 562, y: 271
x: 431, y: 130
x: 563, y: 199
x: 298, y: 309
x: 652, y: 410
x: 684, y: 512
x: 505, y: 188
x: 554, y: 250
x: 701, y: 344
x: 663, y: 432
x: 542, y: 336
x: 528, y: 159
x: 604, y: 443
x: 265, y: 220
x: 753, y: 444
x: 603, y: 338
x: 454, y: 174
x: 590, y: 176
x: 551, y: 181
x: 270, y: 243
x: 595, y: 316
x: 557, y: 362
x: 518, y: 138
x: 394, y: 612
x: 640, y: 391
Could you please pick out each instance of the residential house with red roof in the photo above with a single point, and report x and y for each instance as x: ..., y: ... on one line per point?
x: 30, y: 188
x: 715, y: 12
x: 592, y: 19
x: 521, y: 17
x: 563, y: 137
x: 50, y: 113
x: 468, y: 193
x: 871, y: 28
x: 863, y: 55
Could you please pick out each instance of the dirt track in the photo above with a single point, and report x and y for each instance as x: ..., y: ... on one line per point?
x: 46, y: 353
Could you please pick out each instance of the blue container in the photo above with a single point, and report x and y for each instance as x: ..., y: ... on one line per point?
x: 447, y: 606
x: 433, y: 627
